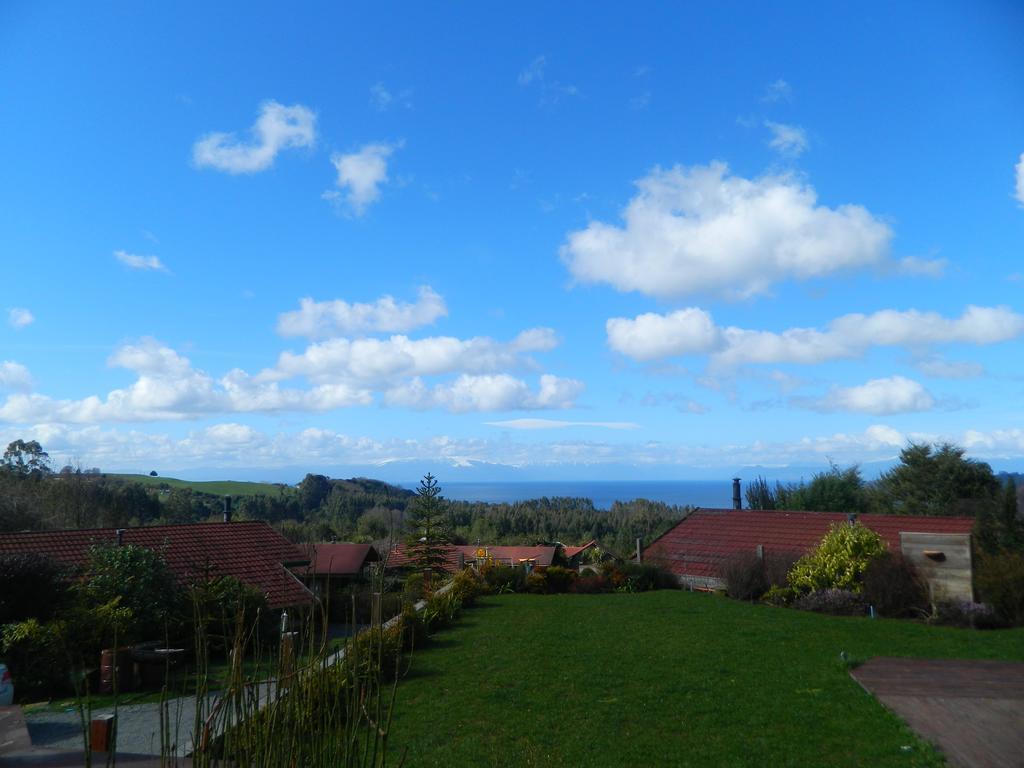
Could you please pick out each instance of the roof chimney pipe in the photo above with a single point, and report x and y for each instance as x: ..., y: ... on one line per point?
x: 119, y: 533
x: 737, y: 499
x: 227, y: 509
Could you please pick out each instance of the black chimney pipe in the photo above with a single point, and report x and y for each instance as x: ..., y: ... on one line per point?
x: 737, y: 499
x: 119, y: 533
x: 227, y: 509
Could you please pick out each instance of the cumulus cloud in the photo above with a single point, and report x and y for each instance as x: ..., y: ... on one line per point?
x: 361, y: 174
x: 14, y: 376
x: 338, y: 374
x: 652, y: 336
x: 375, y: 360
x: 1020, y: 179
x: 879, y: 397
x: 700, y: 229
x: 19, y: 317
x: 324, y: 319
x: 490, y: 392
x: 787, y: 140
x: 692, y: 331
x: 278, y: 127
x: 140, y: 262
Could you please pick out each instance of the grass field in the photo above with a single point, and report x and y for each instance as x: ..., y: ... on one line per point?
x: 215, y: 487
x: 662, y: 678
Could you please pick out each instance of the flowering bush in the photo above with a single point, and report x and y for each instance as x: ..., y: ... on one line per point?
x: 839, y: 561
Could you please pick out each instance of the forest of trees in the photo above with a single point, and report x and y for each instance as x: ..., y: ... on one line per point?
x: 317, y: 509
x: 928, y: 480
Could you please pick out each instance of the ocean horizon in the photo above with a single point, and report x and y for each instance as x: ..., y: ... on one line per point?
x: 603, y: 493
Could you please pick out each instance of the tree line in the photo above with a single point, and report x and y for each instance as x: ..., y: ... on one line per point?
x: 929, y: 480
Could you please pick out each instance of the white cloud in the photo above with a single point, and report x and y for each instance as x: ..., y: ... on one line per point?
x: 938, y: 367
x: 375, y: 360
x: 533, y: 72
x: 362, y: 174
x: 692, y: 331
x: 914, y: 265
x: 879, y: 397
x: 559, y: 424
x: 278, y: 127
x: 652, y: 336
x: 19, y: 317
x: 339, y: 374
x: 322, y: 319
x: 14, y: 376
x: 140, y: 262
x: 788, y: 140
x: 237, y: 445
x: 1020, y: 179
x: 490, y: 392
x: 700, y: 229
x: 778, y: 90
x: 383, y: 99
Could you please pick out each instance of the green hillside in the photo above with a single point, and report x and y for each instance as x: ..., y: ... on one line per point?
x: 213, y: 487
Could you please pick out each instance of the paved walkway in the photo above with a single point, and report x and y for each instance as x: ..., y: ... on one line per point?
x: 973, y: 710
x: 138, y: 727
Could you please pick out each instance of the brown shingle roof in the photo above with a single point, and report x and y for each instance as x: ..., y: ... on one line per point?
x: 697, y: 545
x: 340, y: 559
x: 252, y: 552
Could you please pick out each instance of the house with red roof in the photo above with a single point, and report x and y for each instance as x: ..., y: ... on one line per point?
x: 252, y: 552
x: 696, y: 548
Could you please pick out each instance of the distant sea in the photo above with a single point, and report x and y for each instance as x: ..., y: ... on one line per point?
x: 698, y: 493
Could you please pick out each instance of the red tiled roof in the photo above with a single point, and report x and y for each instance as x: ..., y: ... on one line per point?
x: 542, y: 556
x: 252, y: 552
x: 340, y: 559
x: 697, y: 545
x: 571, y: 552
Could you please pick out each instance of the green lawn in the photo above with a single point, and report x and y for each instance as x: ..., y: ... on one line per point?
x: 662, y: 678
x: 215, y: 487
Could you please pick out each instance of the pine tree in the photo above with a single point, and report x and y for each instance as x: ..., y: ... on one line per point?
x: 427, y: 537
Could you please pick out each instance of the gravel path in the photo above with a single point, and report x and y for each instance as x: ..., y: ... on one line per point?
x: 138, y: 728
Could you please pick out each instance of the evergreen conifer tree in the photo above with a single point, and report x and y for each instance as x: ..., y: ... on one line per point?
x: 427, y: 536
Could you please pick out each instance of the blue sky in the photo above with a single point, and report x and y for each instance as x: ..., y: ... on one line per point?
x: 679, y: 240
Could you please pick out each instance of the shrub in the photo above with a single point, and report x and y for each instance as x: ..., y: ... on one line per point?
x: 839, y: 561
x: 591, y: 584
x: 643, y: 577
x: 967, y: 614
x: 502, y: 578
x: 35, y: 653
x: 838, y: 602
x: 224, y: 606
x: 744, y: 576
x: 558, y: 579
x: 31, y: 586
x: 414, y: 585
x: 893, y: 587
x: 467, y: 586
x: 1000, y: 582
x: 139, y: 580
x: 536, y: 583
x: 441, y: 610
x: 779, y: 595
